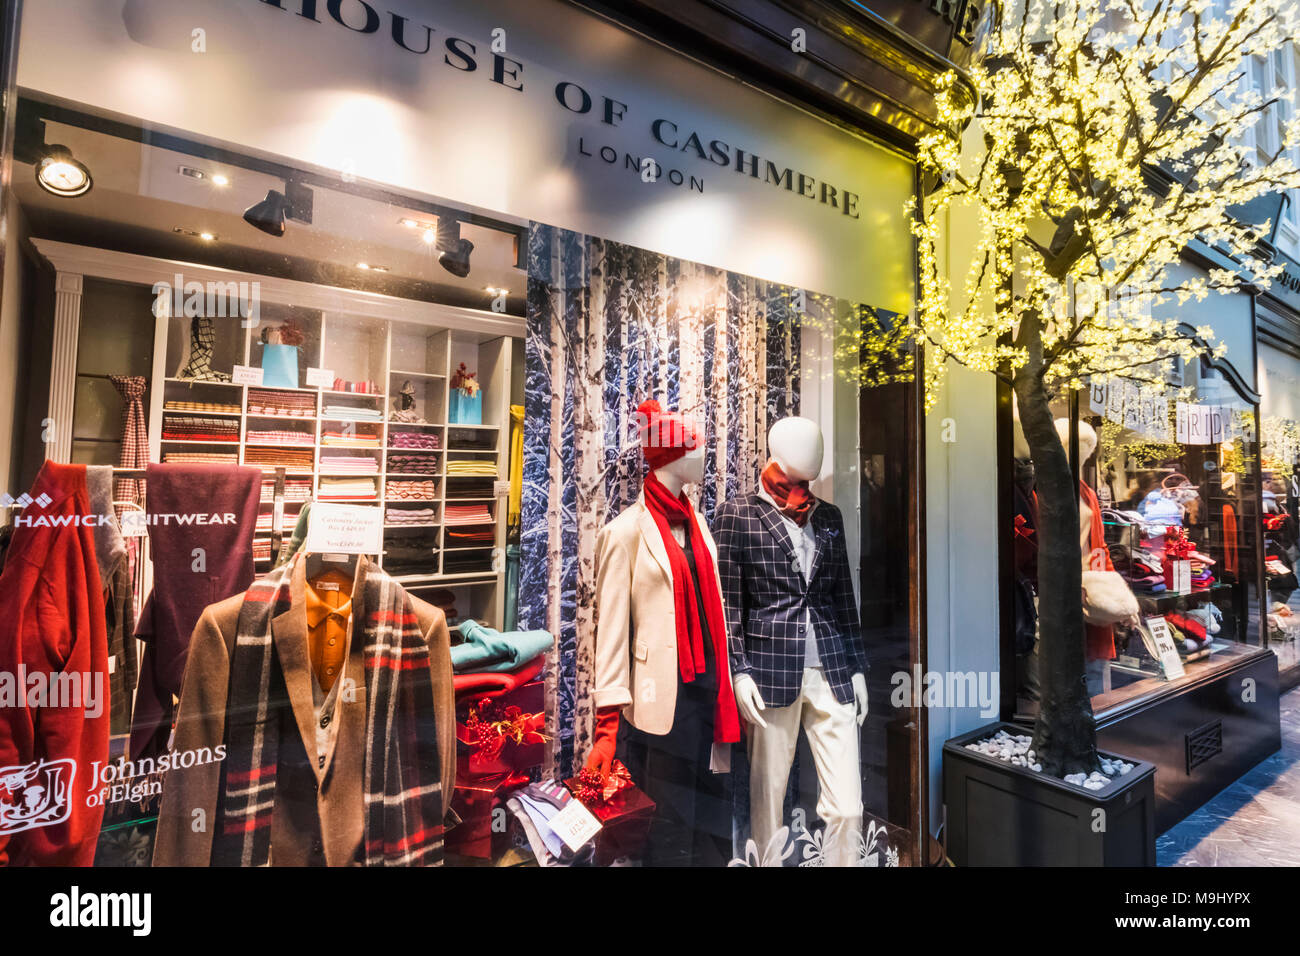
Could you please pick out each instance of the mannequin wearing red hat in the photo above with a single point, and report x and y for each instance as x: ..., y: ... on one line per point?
x: 663, y: 692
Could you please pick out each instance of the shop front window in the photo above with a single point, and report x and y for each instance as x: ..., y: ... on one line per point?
x: 1169, y: 500
x: 422, y: 526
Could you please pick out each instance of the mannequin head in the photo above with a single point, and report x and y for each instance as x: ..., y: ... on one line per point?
x: 687, y: 470
x: 796, y: 445
x: 1087, y: 438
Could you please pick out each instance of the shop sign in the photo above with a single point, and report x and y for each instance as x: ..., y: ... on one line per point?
x: 1140, y: 409
x: 537, y: 111
x: 1201, y: 424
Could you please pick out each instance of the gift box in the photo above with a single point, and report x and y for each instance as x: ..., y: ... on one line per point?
x: 1178, y: 575
x: 480, y: 806
x: 477, y: 758
x: 465, y: 409
x: 280, y: 366
x: 625, y: 820
x: 502, y: 735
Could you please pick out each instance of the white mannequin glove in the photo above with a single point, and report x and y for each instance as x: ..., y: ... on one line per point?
x: 859, y: 696
x: 750, y: 702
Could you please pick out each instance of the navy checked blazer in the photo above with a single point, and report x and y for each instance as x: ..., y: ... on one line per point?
x: 766, y: 597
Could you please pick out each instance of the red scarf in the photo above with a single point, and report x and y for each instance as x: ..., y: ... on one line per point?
x: 792, y: 497
x: 667, y: 511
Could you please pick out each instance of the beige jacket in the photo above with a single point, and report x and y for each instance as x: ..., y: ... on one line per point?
x: 316, y: 820
x: 636, y: 630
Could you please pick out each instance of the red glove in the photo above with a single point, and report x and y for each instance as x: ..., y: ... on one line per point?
x: 604, y: 737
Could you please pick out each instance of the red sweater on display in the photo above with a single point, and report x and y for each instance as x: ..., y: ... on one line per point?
x: 52, y: 731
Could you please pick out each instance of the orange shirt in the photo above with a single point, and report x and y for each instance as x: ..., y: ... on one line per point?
x: 329, y: 610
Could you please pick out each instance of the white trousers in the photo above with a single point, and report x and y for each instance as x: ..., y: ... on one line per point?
x: 832, y: 730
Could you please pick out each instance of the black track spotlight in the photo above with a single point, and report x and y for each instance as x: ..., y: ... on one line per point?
x: 59, y: 174
x: 268, y: 215
x: 454, y: 256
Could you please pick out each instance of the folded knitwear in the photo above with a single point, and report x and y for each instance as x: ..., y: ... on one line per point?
x: 288, y: 404
x: 271, y: 458
x: 177, y: 406
x: 495, y: 683
x: 360, y: 464
x: 344, y: 440
x: 278, y: 436
x: 354, y: 413
x: 295, y: 489
x: 343, y: 385
x: 331, y: 488
x: 486, y: 649
x: 412, y: 464
x: 472, y: 467
x: 409, y: 516
x: 467, y: 514
x: 200, y: 458
x: 400, y: 439
x: 470, y: 488
x: 411, y: 490
x: 466, y: 562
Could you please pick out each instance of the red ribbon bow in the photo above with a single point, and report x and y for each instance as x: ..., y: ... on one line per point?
x: 592, y: 790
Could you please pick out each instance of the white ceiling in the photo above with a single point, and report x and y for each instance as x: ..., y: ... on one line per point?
x: 140, y: 186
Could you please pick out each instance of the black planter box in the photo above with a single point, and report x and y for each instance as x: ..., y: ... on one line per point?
x: 998, y: 814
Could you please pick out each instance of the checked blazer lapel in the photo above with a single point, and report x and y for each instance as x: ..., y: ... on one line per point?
x: 822, y: 535
x: 771, y: 517
x: 290, y: 633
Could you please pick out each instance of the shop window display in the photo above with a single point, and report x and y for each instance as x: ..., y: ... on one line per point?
x: 595, y: 499
x: 1173, y: 542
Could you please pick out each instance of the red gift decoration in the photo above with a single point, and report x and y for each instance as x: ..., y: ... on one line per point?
x: 496, y: 739
x: 475, y: 803
x: 625, y: 815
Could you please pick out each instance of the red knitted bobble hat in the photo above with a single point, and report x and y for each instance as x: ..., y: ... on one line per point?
x: 665, y: 436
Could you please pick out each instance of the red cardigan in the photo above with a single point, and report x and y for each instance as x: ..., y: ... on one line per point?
x: 52, y: 621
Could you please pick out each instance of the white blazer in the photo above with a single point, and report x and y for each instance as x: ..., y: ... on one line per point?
x: 636, y: 626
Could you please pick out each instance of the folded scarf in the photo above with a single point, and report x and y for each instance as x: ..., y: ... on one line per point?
x: 495, y: 683
x: 401, y: 782
x: 485, y: 649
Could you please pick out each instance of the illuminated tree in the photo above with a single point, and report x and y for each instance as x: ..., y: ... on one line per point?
x: 1102, y: 138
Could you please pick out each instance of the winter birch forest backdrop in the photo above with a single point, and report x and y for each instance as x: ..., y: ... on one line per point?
x: 610, y: 325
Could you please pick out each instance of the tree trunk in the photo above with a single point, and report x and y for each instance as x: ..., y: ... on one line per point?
x: 1065, y: 736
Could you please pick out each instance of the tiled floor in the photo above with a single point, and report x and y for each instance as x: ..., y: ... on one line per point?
x: 1254, y: 822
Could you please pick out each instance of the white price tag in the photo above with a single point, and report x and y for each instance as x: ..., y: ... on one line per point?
x: 247, y: 375
x: 500, y: 489
x: 320, y: 377
x: 345, y: 529
x: 575, y: 825
x: 133, y: 524
x: 1170, y: 663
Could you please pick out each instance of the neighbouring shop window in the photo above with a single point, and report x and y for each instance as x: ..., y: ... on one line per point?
x: 1170, y: 501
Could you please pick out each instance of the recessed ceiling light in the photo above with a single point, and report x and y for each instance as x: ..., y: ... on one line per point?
x: 422, y: 224
x: 60, y: 174
x: 208, y: 236
x: 190, y: 233
x: 371, y: 268
x: 193, y: 172
x: 430, y: 236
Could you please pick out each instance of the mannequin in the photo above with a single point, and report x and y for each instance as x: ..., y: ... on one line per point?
x: 662, y: 690
x: 795, y: 640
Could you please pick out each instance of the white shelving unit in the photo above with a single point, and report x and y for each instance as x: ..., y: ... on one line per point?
x: 360, y: 337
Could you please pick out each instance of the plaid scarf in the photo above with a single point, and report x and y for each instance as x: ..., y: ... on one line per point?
x: 402, y: 789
